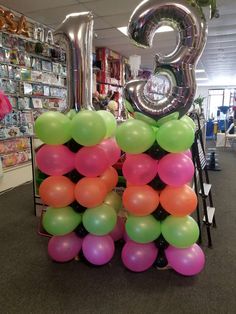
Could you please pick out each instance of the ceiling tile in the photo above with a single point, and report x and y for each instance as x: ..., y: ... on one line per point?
x: 52, y: 16
x: 106, y: 7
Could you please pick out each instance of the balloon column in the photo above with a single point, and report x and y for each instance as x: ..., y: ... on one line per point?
x: 81, y: 149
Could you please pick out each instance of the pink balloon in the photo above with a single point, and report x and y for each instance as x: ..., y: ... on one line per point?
x: 118, y: 232
x: 176, y: 169
x: 187, y: 262
x: 112, y: 150
x: 64, y: 248
x: 138, y: 257
x: 91, y: 161
x: 55, y: 160
x: 139, y: 169
x: 188, y: 153
x: 98, y: 250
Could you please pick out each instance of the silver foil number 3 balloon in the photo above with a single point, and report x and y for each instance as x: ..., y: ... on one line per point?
x: 177, y: 68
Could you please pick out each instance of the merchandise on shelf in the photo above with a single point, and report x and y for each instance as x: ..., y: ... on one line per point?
x: 15, y: 151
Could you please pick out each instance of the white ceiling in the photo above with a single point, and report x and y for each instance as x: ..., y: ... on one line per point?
x: 219, y: 57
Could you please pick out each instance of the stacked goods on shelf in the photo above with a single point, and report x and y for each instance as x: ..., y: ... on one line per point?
x: 14, y: 152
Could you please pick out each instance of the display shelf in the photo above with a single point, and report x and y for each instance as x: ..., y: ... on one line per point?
x: 23, y: 164
x: 31, y: 69
x: 33, y: 82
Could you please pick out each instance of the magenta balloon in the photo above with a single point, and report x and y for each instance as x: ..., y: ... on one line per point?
x: 126, y: 237
x: 98, y: 250
x: 91, y: 161
x: 112, y: 150
x: 64, y: 248
x: 55, y: 160
x: 188, y: 153
x: 118, y: 232
x: 176, y: 169
x: 139, y: 169
x: 187, y: 262
x: 138, y: 257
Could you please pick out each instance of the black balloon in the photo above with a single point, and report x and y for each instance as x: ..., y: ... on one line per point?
x: 73, y: 146
x: 74, y: 176
x: 161, y: 243
x: 157, y: 184
x: 160, y: 214
x: 161, y: 260
x: 77, y: 207
x: 80, y: 231
x: 156, y: 152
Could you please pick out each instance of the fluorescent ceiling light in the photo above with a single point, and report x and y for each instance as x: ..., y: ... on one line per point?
x: 201, y: 79
x: 200, y: 71
x: 162, y: 29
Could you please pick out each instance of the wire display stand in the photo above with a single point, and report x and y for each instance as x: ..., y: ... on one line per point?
x: 202, y: 185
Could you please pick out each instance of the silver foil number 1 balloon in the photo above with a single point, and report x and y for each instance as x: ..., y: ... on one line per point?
x: 177, y: 68
x: 76, y: 34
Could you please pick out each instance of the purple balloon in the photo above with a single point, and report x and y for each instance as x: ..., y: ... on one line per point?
x: 64, y: 248
x: 176, y: 169
x: 188, y: 262
x: 112, y: 150
x: 188, y: 153
x: 98, y: 250
x: 55, y: 160
x: 139, y: 169
x: 138, y: 257
x: 91, y: 161
x: 118, y: 232
x: 126, y: 237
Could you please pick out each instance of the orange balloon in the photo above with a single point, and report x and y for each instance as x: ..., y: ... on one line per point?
x: 110, y: 178
x: 57, y: 191
x: 140, y: 200
x: 90, y: 192
x: 178, y: 201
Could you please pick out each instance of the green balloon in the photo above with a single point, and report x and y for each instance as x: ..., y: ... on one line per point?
x: 180, y: 232
x: 135, y: 136
x: 88, y: 128
x: 114, y: 200
x: 53, y: 128
x: 142, y: 117
x: 70, y: 114
x: 60, y: 221
x: 100, y: 220
x: 172, y: 116
x: 175, y: 136
x: 188, y: 121
x: 110, y: 122
x: 143, y: 229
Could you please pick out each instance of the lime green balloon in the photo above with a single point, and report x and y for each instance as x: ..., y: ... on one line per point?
x: 128, y: 106
x: 114, y: 200
x: 88, y: 128
x: 143, y: 229
x: 110, y: 122
x: 71, y: 114
x: 60, y: 221
x: 175, y: 136
x: 172, y: 116
x: 189, y: 121
x: 135, y: 136
x: 100, y: 220
x: 180, y: 232
x: 144, y: 118
x: 53, y: 128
